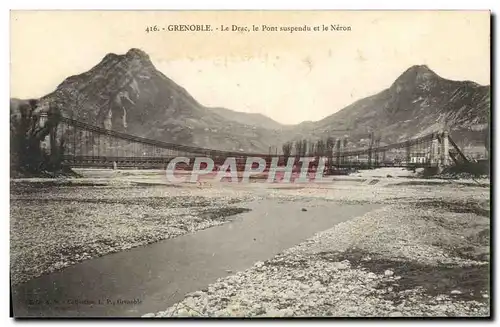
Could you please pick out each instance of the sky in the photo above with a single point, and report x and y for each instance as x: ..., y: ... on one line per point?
x: 290, y: 77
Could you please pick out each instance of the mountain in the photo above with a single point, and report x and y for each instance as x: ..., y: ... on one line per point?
x: 417, y: 103
x: 127, y: 93
x: 253, y: 119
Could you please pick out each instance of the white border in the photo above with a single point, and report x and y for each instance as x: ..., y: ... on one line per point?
x: 256, y: 4
x: 185, y: 5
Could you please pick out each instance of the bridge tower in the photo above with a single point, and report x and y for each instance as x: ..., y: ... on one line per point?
x: 434, y: 150
x: 445, y: 150
x: 440, y: 151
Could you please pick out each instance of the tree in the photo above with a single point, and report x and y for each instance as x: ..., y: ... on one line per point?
x: 27, y: 131
x: 304, y: 148
x: 320, y: 148
x: 337, y: 146
x: 330, y: 144
x: 298, y: 148
x: 287, y: 150
x: 311, y: 149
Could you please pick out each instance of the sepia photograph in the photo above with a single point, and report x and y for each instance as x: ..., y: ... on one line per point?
x: 250, y: 164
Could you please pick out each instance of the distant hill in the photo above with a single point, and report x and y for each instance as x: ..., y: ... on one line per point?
x: 253, y: 119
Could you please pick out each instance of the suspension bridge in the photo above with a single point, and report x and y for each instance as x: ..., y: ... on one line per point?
x: 86, y: 145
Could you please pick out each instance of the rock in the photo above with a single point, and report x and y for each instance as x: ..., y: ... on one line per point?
x: 396, y: 314
x: 371, y: 276
x: 304, y: 209
x: 183, y: 312
x: 233, y: 309
x: 148, y: 315
x: 272, y: 313
x: 259, y: 264
x: 162, y: 314
x: 340, y: 265
x: 266, y: 294
x: 229, y: 271
x: 222, y: 313
x: 279, y: 313
x: 388, y: 272
x: 257, y: 307
x: 286, y: 312
x: 486, y: 296
x: 456, y: 292
x: 190, y: 302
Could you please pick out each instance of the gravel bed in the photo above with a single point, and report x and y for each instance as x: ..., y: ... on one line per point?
x: 418, y: 256
x: 53, y: 227
x: 426, y: 253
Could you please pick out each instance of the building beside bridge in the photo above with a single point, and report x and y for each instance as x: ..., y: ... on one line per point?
x: 419, y: 157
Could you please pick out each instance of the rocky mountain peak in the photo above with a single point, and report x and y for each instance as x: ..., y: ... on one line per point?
x: 138, y: 55
x: 420, y: 69
x: 135, y: 59
x: 418, y: 72
x: 416, y: 77
x: 110, y: 57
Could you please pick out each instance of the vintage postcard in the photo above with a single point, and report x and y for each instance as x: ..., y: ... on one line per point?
x: 250, y: 164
